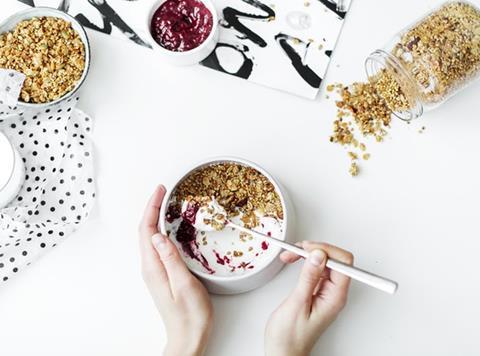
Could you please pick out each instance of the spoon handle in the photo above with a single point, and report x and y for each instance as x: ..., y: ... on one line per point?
x: 373, y: 280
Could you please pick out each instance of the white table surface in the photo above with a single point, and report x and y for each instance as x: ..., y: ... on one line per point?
x: 411, y: 215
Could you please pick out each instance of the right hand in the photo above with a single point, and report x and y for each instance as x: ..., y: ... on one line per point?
x: 312, y: 306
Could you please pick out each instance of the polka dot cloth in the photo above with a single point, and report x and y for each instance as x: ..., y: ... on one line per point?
x: 59, y: 188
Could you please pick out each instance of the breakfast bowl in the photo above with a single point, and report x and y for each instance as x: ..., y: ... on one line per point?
x: 182, y: 32
x: 228, y: 261
x: 72, y: 71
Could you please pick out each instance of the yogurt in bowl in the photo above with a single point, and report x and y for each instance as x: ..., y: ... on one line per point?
x: 226, y: 260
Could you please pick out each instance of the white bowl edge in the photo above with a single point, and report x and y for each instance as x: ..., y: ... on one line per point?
x: 253, y: 280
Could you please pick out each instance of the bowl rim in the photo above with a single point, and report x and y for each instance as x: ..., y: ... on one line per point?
x: 244, y: 162
x: 156, y: 5
x: 53, y: 12
x: 11, y: 153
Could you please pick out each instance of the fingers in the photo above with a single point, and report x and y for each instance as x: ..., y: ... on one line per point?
x: 152, y: 268
x: 149, y: 224
x: 178, y: 274
x: 335, y: 253
x: 310, y: 276
x: 291, y: 257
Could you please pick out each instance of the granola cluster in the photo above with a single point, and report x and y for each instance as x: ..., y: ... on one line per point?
x: 442, y: 51
x: 214, y: 215
x: 49, y: 52
x: 366, y: 108
x: 238, y: 189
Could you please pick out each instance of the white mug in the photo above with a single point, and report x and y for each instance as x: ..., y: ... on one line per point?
x: 12, y: 171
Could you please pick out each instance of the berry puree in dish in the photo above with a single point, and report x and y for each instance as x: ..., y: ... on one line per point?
x: 181, y: 25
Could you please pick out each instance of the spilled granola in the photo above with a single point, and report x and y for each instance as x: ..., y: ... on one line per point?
x: 365, y: 108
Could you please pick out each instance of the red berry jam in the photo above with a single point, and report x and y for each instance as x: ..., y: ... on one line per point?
x: 181, y: 25
x: 190, y: 214
x: 186, y: 236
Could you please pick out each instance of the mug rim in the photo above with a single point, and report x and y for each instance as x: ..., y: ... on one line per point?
x: 12, y: 152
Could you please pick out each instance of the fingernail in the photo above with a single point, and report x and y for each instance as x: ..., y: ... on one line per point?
x: 159, y: 241
x: 316, y: 257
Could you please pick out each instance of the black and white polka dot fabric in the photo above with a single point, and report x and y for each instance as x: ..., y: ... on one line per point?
x: 59, y: 188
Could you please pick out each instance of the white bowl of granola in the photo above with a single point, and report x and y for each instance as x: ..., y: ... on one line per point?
x: 227, y: 261
x: 51, y: 48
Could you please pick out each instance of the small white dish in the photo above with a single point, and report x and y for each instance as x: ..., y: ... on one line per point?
x: 190, y: 57
x: 12, y: 171
x: 256, y: 278
x: 10, y: 23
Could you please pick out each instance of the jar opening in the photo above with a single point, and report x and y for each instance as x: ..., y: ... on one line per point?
x: 381, y: 60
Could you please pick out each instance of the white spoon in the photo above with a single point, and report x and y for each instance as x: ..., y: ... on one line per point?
x: 217, y: 214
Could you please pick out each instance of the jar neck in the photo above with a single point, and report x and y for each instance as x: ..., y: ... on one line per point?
x: 380, y: 60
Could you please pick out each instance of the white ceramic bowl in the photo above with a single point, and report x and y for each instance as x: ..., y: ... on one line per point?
x: 10, y: 23
x: 255, y: 278
x: 12, y: 171
x: 192, y: 56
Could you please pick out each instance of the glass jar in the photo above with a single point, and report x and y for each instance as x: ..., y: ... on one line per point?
x: 12, y: 171
x: 432, y: 59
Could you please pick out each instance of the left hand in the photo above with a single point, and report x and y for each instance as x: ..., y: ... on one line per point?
x: 181, y: 299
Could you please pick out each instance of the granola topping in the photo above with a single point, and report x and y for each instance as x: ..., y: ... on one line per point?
x: 210, y: 197
x: 238, y: 189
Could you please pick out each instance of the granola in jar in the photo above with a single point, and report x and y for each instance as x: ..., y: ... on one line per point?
x: 418, y: 70
x: 434, y: 58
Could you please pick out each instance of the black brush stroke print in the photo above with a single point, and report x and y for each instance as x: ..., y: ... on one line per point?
x: 28, y: 2
x: 212, y: 61
x: 332, y: 6
x: 64, y: 6
x: 303, y: 69
x: 232, y: 18
x: 109, y: 17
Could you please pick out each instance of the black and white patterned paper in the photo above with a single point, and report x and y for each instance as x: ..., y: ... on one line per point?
x: 59, y: 188
x: 282, y: 44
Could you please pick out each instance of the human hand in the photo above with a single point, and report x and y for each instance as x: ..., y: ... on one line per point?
x: 181, y: 299
x: 312, y: 306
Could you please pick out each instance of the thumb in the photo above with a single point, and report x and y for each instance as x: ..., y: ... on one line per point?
x: 310, y: 276
x: 177, y: 271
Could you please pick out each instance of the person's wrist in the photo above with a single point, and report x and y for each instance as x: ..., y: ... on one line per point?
x: 285, y: 351
x: 186, y: 345
x: 184, y: 349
